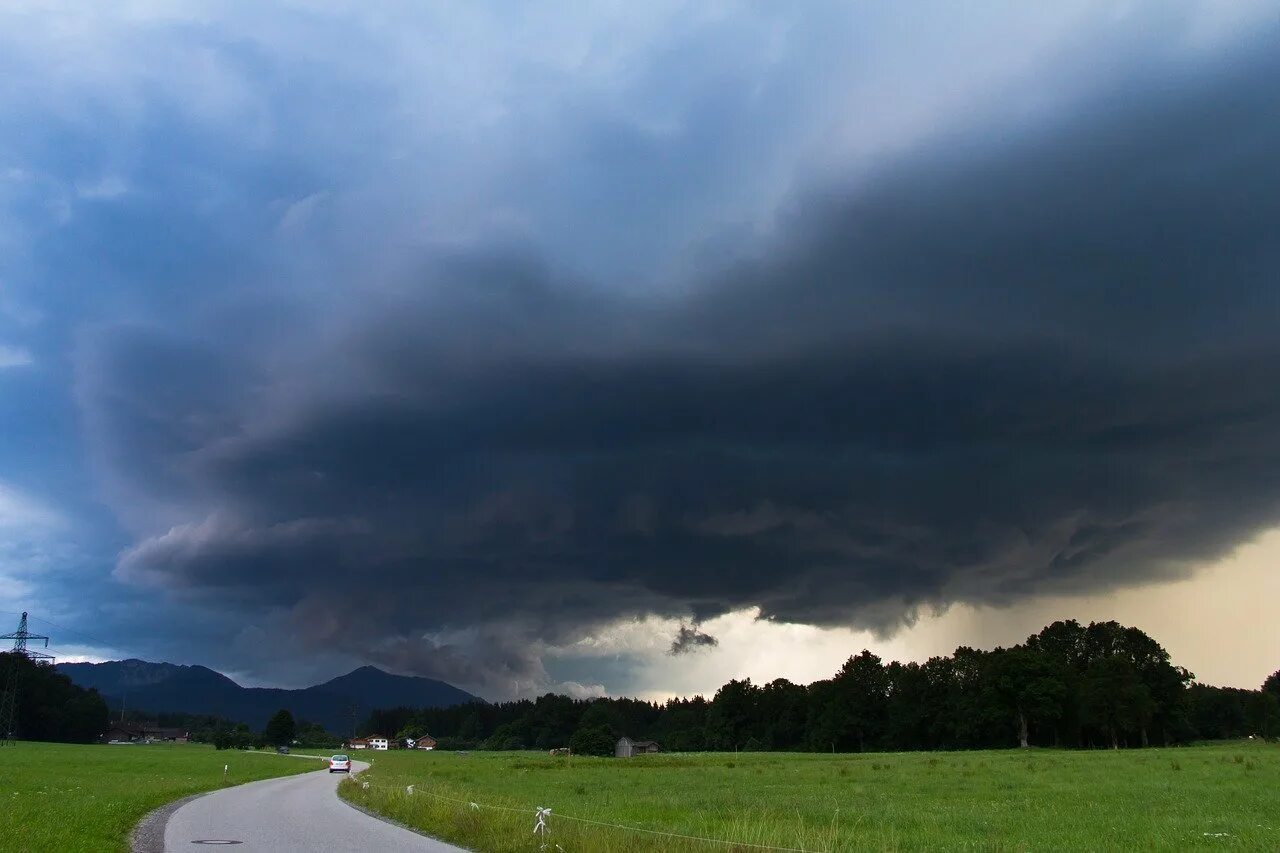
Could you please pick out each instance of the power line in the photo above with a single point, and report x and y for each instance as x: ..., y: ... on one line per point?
x: 90, y: 638
x: 96, y: 640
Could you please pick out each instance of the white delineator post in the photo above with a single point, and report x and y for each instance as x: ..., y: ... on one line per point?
x: 541, y: 826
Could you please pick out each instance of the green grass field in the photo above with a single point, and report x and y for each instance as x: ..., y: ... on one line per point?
x: 67, y: 797
x: 1212, y: 797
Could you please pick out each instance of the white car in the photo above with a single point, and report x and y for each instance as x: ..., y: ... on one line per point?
x: 339, y: 764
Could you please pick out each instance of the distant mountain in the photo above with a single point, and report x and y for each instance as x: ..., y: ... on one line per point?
x: 161, y: 687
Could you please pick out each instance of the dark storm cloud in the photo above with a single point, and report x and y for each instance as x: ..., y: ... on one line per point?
x: 1017, y: 360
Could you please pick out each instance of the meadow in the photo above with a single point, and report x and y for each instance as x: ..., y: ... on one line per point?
x: 1213, y: 797
x: 73, y: 797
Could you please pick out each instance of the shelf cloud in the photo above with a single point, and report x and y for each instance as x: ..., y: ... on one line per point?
x: 1029, y: 350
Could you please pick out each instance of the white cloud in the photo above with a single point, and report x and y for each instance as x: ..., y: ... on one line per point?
x: 103, y: 189
x: 27, y: 531
x: 299, y: 213
x: 14, y: 356
x: 21, y: 512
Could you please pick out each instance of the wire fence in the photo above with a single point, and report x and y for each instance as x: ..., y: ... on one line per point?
x: 542, y: 815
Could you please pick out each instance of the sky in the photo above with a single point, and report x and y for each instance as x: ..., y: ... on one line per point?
x: 628, y: 348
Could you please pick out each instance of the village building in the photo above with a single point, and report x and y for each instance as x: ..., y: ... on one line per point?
x: 358, y: 743
x: 143, y: 733
x: 626, y: 747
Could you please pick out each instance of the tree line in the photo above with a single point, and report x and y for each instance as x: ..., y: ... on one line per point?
x: 49, y: 706
x: 1070, y: 685
x: 281, y: 730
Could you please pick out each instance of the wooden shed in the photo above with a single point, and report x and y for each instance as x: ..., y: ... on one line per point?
x: 626, y: 747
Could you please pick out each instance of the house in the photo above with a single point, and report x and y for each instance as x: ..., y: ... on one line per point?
x: 378, y: 742
x: 424, y: 742
x: 143, y: 733
x: 626, y: 747
x: 121, y: 733
x: 358, y: 743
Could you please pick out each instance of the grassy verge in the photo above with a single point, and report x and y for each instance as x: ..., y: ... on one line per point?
x: 70, y: 797
x: 1169, y: 799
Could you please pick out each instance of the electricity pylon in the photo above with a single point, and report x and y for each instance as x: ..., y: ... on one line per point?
x: 9, y: 699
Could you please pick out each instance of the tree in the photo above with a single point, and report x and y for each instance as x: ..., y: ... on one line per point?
x: 314, y: 734
x: 1027, y: 686
x: 600, y: 714
x: 1272, y: 684
x: 596, y: 740
x: 1263, y: 713
x: 280, y: 729
x: 781, y: 709
x: 862, y: 698
x: 732, y: 714
x: 1114, y: 699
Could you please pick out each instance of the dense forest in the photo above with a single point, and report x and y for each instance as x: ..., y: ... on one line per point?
x: 1104, y: 685
x: 49, y: 706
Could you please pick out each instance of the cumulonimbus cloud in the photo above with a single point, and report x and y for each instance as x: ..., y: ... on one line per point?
x: 1046, y: 362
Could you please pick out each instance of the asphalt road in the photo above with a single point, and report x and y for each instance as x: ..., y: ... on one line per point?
x: 293, y: 813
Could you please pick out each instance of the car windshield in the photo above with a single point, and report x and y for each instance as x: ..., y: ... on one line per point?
x: 339, y: 758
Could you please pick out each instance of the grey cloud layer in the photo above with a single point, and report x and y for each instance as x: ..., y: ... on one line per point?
x: 1009, y: 363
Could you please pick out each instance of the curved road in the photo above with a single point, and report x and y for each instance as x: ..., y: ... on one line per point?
x: 292, y: 813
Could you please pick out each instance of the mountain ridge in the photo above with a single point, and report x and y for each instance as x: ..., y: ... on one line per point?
x: 159, y: 687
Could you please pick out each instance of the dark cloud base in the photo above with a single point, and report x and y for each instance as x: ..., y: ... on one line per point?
x: 1000, y: 368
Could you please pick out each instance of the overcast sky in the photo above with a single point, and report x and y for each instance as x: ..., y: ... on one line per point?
x: 629, y: 347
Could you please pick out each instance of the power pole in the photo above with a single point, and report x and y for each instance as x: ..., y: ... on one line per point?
x: 9, y: 699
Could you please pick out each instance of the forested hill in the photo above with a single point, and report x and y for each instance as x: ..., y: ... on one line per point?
x: 164, y: 687
x: 1070, y: 685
